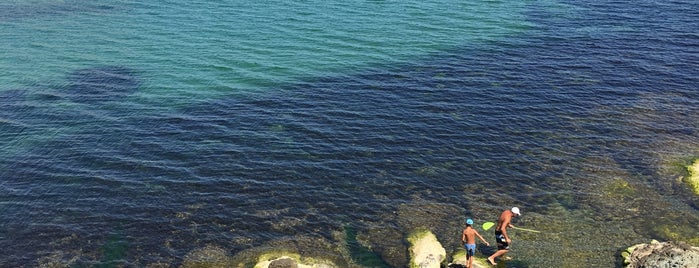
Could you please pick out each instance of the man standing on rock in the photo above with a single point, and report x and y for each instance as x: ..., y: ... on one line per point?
x: 501, y: 236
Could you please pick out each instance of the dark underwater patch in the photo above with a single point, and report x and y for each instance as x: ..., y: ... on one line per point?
x: 103, y: 83
x: 13, y: 106
x: 9, y: 97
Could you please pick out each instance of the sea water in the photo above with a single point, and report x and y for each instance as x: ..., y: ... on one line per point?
x: 136, y: 133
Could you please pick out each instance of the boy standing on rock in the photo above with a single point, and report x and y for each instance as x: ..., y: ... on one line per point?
x: 468, y: 238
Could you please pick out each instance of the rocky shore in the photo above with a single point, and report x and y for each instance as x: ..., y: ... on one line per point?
x: 425, y: 251
x: 661, y: 254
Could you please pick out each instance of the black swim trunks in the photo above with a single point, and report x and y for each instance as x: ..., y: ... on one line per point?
x: 502, y: 242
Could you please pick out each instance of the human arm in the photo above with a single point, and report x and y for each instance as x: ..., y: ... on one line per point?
x: 463, y: 237
x: 506, y: 223
x: 479, y: 236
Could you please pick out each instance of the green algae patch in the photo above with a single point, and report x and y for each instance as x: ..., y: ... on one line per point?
x: 113, y: 251
x: 626, y: 254
x: 693, y: 179
x: 459, y: 257
x: 678, y: 232
x: 619, y: 188
x: 360, y: 252
x: 425, y: 250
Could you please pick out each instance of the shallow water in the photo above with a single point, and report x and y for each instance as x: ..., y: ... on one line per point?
x: 137, y: 133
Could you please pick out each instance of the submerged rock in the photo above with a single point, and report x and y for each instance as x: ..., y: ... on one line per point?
x: 665, y: 254
x: 693, y: 179
x: 291, y: 260
x: 283, y: 263
x: 209, y: 256
x: 299, y: 251
x: 425, y: 250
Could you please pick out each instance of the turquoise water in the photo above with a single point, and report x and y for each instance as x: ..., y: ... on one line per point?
x: 195, y: 50
x: 137, y: 134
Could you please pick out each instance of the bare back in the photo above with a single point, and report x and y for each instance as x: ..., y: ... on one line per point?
x: 504, y: 221
x: 469, y: 235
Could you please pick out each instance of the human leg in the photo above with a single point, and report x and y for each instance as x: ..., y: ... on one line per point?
x: 470, y: 251
x: 498, y: 253
x: 503, y: 247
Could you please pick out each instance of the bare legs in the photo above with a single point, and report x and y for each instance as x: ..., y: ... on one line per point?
x: 498, y: 253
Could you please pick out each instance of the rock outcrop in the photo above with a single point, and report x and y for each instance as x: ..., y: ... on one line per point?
x: 293, y: 262
x: 665, y: 254
x: 425, y: 250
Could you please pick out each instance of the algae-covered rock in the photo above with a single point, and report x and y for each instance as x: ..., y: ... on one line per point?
x: 620, y: 188
x: 425, y: 250
x: 266, y: 260
x: 459, y: 257
x: 291, y: 260
x: 626, y: 254
x: 207, y: 257
x: 283, y: 263
x: 459, y: 260
x: 693, y: 179
x: 298, y: 251
x: 662, y: 254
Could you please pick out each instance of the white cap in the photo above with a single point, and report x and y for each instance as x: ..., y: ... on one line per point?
x: 515, y: 210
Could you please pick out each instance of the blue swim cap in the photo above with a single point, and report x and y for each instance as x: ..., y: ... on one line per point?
x: 469, y: 222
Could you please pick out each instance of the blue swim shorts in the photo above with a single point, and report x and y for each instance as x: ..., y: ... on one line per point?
x: 470, y: 250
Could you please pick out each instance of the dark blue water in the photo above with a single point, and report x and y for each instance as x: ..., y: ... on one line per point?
x: 559, y: 121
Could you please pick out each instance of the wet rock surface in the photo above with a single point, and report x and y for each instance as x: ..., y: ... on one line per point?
x: 283, y: 263
x: 662, y: 254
